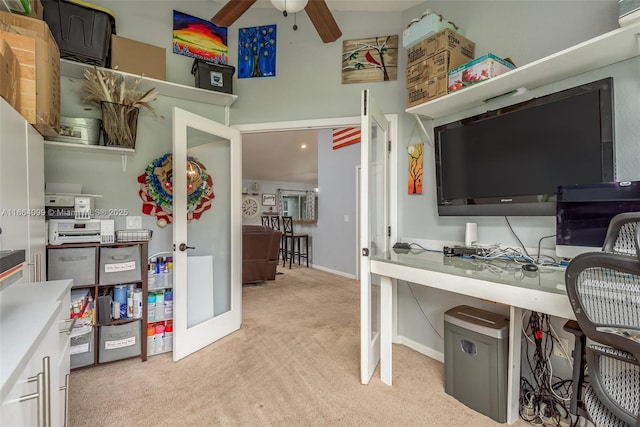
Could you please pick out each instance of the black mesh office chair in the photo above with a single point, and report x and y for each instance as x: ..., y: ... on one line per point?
x: 604, y: 290
x: 621, y: 238
x: 622, y: 234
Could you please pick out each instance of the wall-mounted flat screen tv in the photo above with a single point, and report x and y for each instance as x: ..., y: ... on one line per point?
x: 511, y: 161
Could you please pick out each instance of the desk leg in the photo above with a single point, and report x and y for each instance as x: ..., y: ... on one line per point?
x: 386, y: 328
x: 513, y: 378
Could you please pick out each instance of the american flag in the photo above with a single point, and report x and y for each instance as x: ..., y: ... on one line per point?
x: 345, y: 136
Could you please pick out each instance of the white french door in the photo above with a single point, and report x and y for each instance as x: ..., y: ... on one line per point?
x: 207, y: 251
x: 374, y: 220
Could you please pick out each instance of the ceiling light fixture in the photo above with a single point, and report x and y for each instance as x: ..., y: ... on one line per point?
x: 289, y: 6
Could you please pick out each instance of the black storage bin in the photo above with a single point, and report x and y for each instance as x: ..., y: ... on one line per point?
x: 83, y: 34
x: 213, y: 76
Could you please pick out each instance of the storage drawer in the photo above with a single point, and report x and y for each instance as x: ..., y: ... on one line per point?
x: 120, y: 265
x: 119, y: 341
x: 83, y: 350
x: 78, y: 264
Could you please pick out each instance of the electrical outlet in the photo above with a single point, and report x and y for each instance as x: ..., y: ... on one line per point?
x: 134, y: 222
x: 557, y: 349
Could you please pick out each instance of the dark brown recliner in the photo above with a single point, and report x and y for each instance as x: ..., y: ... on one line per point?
x: 260, y: 247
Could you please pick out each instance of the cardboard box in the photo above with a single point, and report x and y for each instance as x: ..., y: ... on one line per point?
x: 437, y: 64
x: 9, y: 75
x: 24, y: 49
x: 135, y: 57
x: 41, y: 107
x: 480, y: 69
x: 440, y: 42
x: 425, y: 27
x: 433, y: 88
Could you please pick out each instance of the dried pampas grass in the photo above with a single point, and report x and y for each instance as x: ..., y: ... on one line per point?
x: 119, y: 102
x: 104, y: 85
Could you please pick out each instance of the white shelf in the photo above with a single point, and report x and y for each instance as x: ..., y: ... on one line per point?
x: 614, y: 46
x: 87, y: 148
x: 173, y: 90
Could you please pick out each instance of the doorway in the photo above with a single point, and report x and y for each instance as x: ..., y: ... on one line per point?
x: 325, y: 226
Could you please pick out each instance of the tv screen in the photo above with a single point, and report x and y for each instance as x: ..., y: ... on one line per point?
x: 511, y: 161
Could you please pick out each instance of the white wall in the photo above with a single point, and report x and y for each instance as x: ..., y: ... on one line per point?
x: 335, y: 242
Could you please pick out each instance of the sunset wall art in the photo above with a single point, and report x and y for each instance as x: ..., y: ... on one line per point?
x: 200, y: 39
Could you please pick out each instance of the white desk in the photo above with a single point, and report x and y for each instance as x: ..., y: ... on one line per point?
x: 542, y: 291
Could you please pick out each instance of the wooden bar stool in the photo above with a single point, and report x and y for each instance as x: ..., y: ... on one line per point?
x: 275, y: 224
x: 295, y: 240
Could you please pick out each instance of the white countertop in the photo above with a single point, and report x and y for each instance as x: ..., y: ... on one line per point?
x: 26, y: 313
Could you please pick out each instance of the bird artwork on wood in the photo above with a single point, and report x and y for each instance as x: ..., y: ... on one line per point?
x: 370, y: 60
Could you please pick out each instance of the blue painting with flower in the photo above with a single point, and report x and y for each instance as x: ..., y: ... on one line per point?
x: 257, y: 51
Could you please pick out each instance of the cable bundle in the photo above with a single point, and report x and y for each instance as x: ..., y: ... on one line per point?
x: 544, y: 399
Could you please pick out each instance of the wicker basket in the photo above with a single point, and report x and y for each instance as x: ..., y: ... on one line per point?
x: 133, y: 235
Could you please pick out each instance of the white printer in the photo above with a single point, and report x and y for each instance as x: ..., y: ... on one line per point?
x: 73, y: 230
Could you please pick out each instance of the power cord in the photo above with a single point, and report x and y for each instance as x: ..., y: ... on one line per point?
x: 423, y: 313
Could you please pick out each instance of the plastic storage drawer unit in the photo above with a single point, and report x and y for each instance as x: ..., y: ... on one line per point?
x: 120, y: 265
x: 82, y: 30
x: 119, y: 341
x: 476, y: 354
x: 78, y: 264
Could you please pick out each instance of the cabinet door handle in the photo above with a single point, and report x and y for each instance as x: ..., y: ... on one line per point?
x: 71, y: 326
x: 38, y: 262
x: 65, y: 388
x: 42, y: 395
x: 46, y: 361
x: 38, y: 395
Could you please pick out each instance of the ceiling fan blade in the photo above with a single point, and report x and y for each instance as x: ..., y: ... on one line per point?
x: 231, y: 11
x: 323, y: 20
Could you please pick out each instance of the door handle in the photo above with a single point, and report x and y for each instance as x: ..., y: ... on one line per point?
x: 183, y: 247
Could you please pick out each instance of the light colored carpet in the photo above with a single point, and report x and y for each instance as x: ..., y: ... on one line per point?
x: 294, y: 362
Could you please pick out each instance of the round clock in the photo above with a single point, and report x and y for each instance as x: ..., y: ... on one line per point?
x: 249, y: 207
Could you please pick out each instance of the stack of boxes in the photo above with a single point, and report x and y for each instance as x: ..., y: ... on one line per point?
x: 30, y: 74
x: 429, y: 61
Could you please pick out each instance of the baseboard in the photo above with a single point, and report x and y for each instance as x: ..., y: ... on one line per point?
x: 421, y: 348
x: 339, y: 273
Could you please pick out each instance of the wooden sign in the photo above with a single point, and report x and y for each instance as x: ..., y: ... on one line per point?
x: 370, y: 60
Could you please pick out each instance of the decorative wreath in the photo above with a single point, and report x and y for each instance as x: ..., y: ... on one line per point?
x: 156, y: 189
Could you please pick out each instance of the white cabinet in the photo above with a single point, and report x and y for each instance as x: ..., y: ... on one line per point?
x: 36, y: 248
x: 13, y: 183
x: 22, y: 217
x: 34, y: 353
